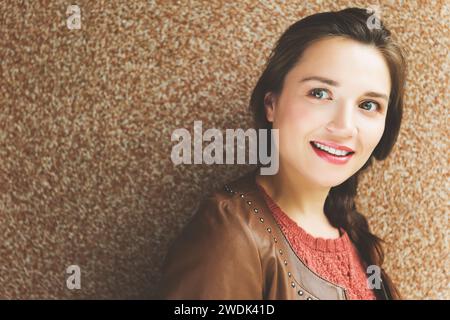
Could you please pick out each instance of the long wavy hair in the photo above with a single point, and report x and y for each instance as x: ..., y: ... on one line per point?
x: 340, y: 203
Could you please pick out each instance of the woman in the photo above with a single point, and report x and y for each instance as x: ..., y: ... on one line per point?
x: 334, y: 90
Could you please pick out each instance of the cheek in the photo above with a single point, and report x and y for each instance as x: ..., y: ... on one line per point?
x: 371, y: 133
x: 298, y: 117
x: 295, y: 124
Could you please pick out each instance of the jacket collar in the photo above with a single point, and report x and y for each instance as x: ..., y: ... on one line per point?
x: 298, y: 273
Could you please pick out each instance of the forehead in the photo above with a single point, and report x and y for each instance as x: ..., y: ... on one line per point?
x: 352, y: 64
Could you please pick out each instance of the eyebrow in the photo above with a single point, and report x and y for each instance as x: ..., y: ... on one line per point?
x: 336, y: 84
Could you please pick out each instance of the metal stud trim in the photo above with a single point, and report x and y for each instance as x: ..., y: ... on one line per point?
x: 261, y: 219
x: 229, y: 190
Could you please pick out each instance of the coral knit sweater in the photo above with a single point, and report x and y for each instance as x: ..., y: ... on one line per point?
x: 335, y: 260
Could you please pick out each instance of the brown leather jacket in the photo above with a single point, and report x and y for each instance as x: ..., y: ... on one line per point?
x: 233, y: 249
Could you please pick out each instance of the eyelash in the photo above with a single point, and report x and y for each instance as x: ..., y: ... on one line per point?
x: 378, y: 106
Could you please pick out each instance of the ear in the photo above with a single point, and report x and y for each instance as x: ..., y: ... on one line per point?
x: 269, y: 106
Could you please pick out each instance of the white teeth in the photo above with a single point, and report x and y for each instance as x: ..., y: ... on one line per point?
x: 331, y: 150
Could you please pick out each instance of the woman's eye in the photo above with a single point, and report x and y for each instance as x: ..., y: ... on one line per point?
x: 319, y: 93
x: 371, y: 106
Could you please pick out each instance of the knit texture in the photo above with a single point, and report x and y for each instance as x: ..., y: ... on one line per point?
x: 335, y: 260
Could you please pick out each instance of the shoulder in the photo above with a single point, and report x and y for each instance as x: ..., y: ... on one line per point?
x: 220, y: 218
x: 216, y: 247
x: 221, y: 222
x: 228, y: 204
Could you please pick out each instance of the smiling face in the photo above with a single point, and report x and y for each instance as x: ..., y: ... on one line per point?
x: 337, y: 93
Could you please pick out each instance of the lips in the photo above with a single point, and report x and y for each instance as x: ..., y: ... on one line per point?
x: 330, y: 158
x: 334, y: 145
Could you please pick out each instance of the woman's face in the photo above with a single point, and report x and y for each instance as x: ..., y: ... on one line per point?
x: 337, y: 93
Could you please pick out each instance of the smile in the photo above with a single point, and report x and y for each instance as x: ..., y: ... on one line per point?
x: 331, y: 155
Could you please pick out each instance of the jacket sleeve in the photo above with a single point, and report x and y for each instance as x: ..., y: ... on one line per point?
x: 214, y: 258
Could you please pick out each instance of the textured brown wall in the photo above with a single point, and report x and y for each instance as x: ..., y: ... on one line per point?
x: 86, y: 118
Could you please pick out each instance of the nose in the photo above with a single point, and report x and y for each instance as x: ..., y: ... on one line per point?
x: 342, y: 125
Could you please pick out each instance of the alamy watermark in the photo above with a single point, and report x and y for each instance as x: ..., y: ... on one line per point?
x: 374, y: 278
x: 73, y: 281
x: 214, y: 152
x: 74, y: 19
x: 374, y: 21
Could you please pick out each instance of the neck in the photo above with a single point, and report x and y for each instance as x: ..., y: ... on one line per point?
x: 300, y: 199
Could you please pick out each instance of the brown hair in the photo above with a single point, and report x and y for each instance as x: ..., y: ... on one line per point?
x: 340, y: 203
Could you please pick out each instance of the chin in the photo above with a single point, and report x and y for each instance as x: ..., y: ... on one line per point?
x: 326, y: 180
x: 330, y: 183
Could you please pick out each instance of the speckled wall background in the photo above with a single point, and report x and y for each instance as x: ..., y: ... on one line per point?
x: 86, y: 119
